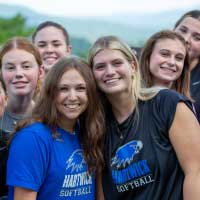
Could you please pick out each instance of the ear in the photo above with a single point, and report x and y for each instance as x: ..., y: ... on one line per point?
x: 69, y: 49
x: 41, y: 72
x: 133, y: 67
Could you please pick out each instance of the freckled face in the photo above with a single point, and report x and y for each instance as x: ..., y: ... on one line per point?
x: 20, y: 72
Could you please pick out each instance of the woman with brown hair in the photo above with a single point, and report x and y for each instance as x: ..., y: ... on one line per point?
x: 63, y: 138
x: 189, y: 27
x: 164, y: 62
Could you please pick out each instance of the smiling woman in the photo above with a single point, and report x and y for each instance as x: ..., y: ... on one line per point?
x: 52, y: 41
x: 21, y: 71
x: 145, y: 128
x: 164, y: 62
x: 63, y: 138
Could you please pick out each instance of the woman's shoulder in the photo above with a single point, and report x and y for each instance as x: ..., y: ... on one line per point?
x: 35, y: 130
x: 169, y: 95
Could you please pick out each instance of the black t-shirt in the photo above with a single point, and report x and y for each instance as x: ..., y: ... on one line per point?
x: 195, y: 88
x: 140, y: 162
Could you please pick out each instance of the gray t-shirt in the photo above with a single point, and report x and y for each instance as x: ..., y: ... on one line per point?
x: 8, y: 122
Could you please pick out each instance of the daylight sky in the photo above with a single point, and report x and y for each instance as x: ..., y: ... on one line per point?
x: 102, y: 7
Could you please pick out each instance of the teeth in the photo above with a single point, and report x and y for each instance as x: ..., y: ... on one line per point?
x: 71, y: 106
x: 111, y: 80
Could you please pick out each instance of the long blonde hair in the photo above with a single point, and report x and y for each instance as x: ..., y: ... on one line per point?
x: 114, y: 43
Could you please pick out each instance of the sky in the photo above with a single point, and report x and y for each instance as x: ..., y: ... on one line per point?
x: 102, y: 7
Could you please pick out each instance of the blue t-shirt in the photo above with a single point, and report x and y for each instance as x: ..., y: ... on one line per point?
x: 53, y: 167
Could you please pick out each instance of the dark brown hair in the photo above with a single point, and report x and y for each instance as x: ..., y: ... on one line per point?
x: 193, y: 13
x: 182, y: 84
x: 91, y: 120
x: 53, y: 24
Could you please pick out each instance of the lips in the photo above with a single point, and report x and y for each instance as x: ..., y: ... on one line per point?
x: 111, y: 81
x: 72, y: 106
x: 20, y: 83
x: 168, y: 69
x: 50, y: 60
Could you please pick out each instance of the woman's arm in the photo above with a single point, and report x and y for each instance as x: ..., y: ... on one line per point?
x: 24, y: 194
x: 99, y: 188
x: 184, y: 135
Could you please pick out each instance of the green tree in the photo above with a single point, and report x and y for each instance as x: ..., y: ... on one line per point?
x: 15, y: 26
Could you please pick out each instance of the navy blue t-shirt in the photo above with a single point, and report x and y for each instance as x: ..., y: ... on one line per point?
x: 140, y: 162
x: 53, y: 167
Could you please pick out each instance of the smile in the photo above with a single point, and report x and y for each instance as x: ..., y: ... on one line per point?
x: 72, y: 106
x: 168, y: 69
x: 113, y: 80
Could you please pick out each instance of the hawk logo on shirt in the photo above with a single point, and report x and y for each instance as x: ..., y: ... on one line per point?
x: 125, y: 154
x: 76, y: 161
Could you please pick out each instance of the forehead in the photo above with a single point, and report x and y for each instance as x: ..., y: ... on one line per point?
x: 191, y: 23
x: 18, y: 55
x: 171, y: 44
x: 107, y: 55
x: 49, y: 33
x: 72, y: 77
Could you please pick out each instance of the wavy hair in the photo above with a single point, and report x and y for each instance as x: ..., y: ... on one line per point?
x: 91, y: 120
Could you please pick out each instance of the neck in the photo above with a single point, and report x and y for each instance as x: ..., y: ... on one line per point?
x: 67, y: 125
x: 20, y: 105
x: 166, y: 84
x: 193, y: 63
x: 122, y: 106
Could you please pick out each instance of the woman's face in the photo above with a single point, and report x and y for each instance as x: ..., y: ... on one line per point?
x: 52, y: 45
x: 189, y: 28
x: 113, y: 72
x: 20, y: 72
x: 72, y: 99
x: 2, y: 100
x: 167, y: 61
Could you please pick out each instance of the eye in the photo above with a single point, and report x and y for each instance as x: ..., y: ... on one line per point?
x: 56, y: 44
x: 63, y: 89
x: 117, y: 63
x: 196, y: 37
x: 179, y: 58
x: 164, y: 53
x: 26, y: 66
x: 99, y: 67
x: 9, y: 67
x: 81, y: 88
x: 41, y: 45
x: 182, y: 30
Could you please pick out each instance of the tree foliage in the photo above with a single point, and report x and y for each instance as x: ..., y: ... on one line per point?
x: 15, y: 26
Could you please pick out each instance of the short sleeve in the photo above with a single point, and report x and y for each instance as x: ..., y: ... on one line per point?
x: 164, y: 108
x: 28, y: 159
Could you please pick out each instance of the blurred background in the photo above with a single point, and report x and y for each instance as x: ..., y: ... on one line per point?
x: 86, y: 20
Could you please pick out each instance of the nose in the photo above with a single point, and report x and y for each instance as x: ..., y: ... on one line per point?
x: 49, y: 48
x: 72, y: 95
x: 187, y: 38
x: 171, y: 61
x: 109, y: 70
x: 19, y: 72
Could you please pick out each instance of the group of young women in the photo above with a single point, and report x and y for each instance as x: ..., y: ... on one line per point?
x: 109, y: 128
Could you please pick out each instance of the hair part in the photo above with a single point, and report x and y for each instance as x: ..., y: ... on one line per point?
x: 22, y: 44
x: 51, y: 24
